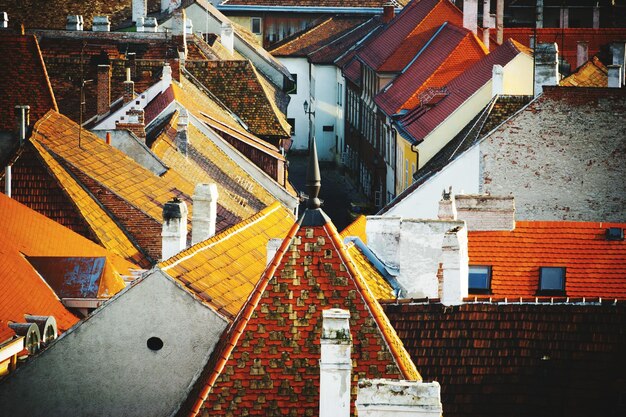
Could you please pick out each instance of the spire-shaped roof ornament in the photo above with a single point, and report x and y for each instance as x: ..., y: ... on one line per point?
x: 313, y: 178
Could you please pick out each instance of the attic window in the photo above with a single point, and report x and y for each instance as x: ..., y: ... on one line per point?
x: 551, y: 280
x: 255, y: 25
x: 479, y: 279
x: 614, y: 233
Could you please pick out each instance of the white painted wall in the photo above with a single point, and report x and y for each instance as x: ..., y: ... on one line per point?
x: 325, y: 107
x: 103, y: 366
x: 340, y: 82
x: 295, y: 110
x: 463, y: 174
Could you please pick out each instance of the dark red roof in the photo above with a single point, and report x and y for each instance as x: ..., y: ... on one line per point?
x: 519, y: 359
x: 23, y: 79
x: 313, y: 3
x: 334, y: 50
x: 158, y: 104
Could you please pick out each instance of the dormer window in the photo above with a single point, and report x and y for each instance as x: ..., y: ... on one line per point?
x: 551, y: 280
x: 479, y: 279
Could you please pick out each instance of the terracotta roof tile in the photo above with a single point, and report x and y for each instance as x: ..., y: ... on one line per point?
x: 374, y: 280
x: 345, y: 44
x: 224, y: 269
x: 279, y: 328
x: 314, y: 3
x: 591, y: 74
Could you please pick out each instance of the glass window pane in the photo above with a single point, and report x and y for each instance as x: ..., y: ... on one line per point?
x: 479, y: 277
x: 552, y: 278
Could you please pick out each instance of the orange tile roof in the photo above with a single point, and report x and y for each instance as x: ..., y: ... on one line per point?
x: 224, y: 269
x: 374, y: 280
x: 279, y: 328
x: 356, y: 228
x: 591, y: 74
x: 595, y: 267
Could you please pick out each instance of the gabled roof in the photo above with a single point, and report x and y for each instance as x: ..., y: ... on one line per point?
x: 224, y: 269
x: 312, y: 3
x: 272, y: 349
x: 591, y: 74
x: 450, y: 50
x: 334, y: 51
x: 594, y: 266
x: 308, y: 41
x: 356, y: 228
x: 23, y: 79
x: 518, y: 359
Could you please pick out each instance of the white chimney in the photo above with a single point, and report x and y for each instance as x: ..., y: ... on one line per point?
x: 618, y: 50
x: 497, y: 80
x: 147, y: 24
x: 391, y: 398
x: 500, y: 21
x: 179, y: 34
x: 596, y: 17
x: 582, y: 53
x: 168, y: 6
x: 546, y: 66
x: 166, y: 76
x: 486, y: 212
x: 188, y: 26
x: 7, y: 180
x: 447, y: 206
x: 101, y: 24
x: 204, y: 212
x: 335, y: 363
x: 615, y: 76
x: 272, y: 247
x: 140, y: 9
x: 74, y: 23
x: 4, y: 20
x: 22, y: 114
x: 182, y: 138
x: 486, y: 21
x: 539, y: 14
x: 470, y: 15
x: 174, y: 232
x: 454, y: 261
x: 564, y: 18
x: 227, y: 37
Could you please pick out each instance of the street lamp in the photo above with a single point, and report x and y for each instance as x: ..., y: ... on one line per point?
x: 308, y: 113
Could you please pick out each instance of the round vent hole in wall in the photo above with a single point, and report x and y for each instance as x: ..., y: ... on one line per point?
x: 155, y: 343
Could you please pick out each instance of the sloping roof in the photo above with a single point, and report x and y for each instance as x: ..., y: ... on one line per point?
x: 449, y: 52
x: 303, y: 43
x: 313, y: 3
x: 519, y: 359
x: 375, y: 282
x: 345, y: 44
x: 224, y: 269
x: 279, y: 328
x: 591, y: 74
x: 356, y: 228
x: 594, y: 266
x: 23, y: 79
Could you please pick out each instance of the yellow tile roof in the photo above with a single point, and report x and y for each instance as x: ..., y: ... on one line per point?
x: 356, y: 228
x: 591, y: 74
x: 223, y: 270
x: 374, y: 280
x: 239, y: 192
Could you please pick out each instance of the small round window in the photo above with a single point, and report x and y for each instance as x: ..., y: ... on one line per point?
x: 155, y: 343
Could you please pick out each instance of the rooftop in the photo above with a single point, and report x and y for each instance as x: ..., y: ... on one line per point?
x: 592, y: 73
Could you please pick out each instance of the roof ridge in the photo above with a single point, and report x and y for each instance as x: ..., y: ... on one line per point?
x: 300, y: 35
x: 343, y: 35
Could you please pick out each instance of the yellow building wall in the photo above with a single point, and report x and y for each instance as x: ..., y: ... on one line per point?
x: 246, y: 22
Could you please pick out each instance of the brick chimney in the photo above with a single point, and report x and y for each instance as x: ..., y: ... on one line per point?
x: 4, y: 20
x: 174, y: 232
x: 335, y: 363
x: 204, y: 216
x: 272, y: 247
x: 139, y: 9
x: 618, y: 50
x: 582, y: 53
x: 103, y: 100
x: 500, y: 21
x: 101, y: 24
x: 386, y: 397
x: 497, y: 80
x: 134, y: 121
x: 389, y: 11
x: 486, y: 212
x: 74, y: 23
x: 447, y: 206
x: 470, y: 15
x: 546, y: 66
x: 227, y: 37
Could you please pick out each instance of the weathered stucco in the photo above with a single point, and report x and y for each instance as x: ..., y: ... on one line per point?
x: 104, y: 367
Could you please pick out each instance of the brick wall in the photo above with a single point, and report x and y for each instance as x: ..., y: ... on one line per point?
x: 563, y: 157
x: 486, y: 212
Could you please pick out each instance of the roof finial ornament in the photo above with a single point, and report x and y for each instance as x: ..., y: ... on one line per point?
x: 313, y: 178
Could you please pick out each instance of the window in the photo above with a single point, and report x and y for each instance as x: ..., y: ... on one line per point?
x: 479, y: 279
x: 339, y: 94
x: 292, y: 122
x: 255, y: 25
x: 292, y: 87
x: 551, y: 280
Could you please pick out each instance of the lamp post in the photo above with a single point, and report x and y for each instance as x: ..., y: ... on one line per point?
x: 308, y: 113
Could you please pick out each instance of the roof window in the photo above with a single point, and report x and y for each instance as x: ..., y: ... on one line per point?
x: 551, y: 280
x: 614, y: 233
x: 479, y: 279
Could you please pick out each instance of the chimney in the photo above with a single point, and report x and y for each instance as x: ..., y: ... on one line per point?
x: 596, y: 16
x: 454, y: 261
x: 108, y: 138
x: 140, y: 9
x: 168, y: 6
x: 386, y: 397
x: 166, y: 76
x: 564, y: 18
x: 470, y: 15
x: 546, y: 66
x: 189, y: 27
x: 618, y: 49
x: 615, y: 76
x: 486, y: 212
x: 101, y: 24
x: 7, y: 180
x: 129, y: 88
x: 30, y: 331
x: 47, y: 326
x: 500, y: 21
x: 389, y: 11
x: 103, y: 101
x: 447, y: 206
x: 179, y: 34
x: 335, y: 363
x: 272, y: 247
x: 134, y: 122
x: 539, y: 14
x: 74, y: 23
x: 147, y: 24
x: 582, y: 53
x: 4, y: 20
x: 227, y: 37
x: 174, y: 233
x: 204, y: 212
x: 182, y: 140
x: 497, y: 80
x: 22, y: 114
x: 486, y: 21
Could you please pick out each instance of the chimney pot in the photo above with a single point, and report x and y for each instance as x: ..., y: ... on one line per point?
x: 389, y: 11
x: 101, y: 24
x: 174, y: 231
x: 204, y: 212
x: 335, y: 363
x: 470, y: 15
x: 447, y: 205
x: 108, y: 138
x: 74, y: 23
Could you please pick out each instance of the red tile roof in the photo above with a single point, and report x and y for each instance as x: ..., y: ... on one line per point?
x: 496, y: 360
x: 595, y: 266
x: 313, y: 3
x: 450, y: 51
x: 268, y: 361
x: 23, y: 79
